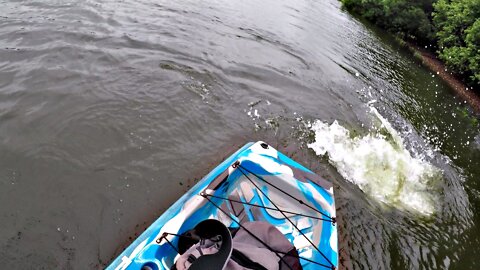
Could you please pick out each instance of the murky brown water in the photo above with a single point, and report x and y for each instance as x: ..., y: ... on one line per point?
x: 110, y: 110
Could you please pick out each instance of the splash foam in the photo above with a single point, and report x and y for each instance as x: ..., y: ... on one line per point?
x: 379, y: 164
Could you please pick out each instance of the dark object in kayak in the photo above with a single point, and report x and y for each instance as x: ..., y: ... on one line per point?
x: 208, y: 229
x: 255, y: 245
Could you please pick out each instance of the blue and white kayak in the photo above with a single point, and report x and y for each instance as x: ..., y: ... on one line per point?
x: 256, y: 183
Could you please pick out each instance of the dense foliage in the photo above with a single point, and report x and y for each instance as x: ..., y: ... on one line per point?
x: 458, y: 24
x: 452, y: 27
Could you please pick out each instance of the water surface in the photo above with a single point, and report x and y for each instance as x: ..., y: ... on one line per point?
x: 111, y: 110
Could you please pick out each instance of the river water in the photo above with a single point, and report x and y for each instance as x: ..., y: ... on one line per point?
x: 111, y: 110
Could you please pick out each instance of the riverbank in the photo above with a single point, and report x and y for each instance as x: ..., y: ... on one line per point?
x: 430, y: 60
x: 433, y: 23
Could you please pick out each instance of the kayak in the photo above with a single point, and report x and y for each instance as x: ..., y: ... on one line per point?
x: 255, y: 186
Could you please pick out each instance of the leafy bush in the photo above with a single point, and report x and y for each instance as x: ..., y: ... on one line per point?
x: 408, y: 18
x: 458, y: 25
x: 451, y: 26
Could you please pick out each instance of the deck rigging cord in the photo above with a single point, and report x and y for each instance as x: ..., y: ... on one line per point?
x: 241, y: 168
x: 268, y: 208
x: 263, y: 243
x: 248, y: 231
x: 164, y: 235
x: 237, y: 164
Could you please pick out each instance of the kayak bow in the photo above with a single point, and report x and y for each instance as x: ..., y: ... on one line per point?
x: 256, y: 183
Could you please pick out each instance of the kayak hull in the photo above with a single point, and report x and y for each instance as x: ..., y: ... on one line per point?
x: 250, y: 185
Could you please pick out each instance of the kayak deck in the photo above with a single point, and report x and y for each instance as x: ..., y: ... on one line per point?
x: 257, y: 183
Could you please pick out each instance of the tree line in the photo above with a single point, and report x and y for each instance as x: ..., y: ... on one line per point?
x: 450, y: 27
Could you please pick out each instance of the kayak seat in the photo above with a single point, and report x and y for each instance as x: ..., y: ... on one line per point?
x: 207, y: 229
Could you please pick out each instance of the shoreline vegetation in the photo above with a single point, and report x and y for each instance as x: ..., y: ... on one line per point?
x: 431, y: 61
x: 449, y: 30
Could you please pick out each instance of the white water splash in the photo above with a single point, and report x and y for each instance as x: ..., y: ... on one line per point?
x: 380, y: 165
x: 477, y: 141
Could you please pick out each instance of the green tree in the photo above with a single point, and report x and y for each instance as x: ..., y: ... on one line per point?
x: 473, y: 46
x: 372, y: 10
x: 458, y: 33
x: 410, y: 19
x: 451, y: 26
